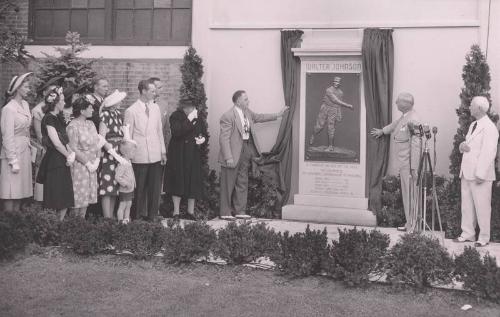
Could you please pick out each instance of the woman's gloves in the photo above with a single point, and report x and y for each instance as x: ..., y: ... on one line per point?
x: 70, y: 159
x: 199, y: 139
x: 93, y: 165
x: 14, y: 166
x: 117, y: 156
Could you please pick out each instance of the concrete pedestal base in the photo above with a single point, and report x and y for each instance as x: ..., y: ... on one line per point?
x: 345, y: 216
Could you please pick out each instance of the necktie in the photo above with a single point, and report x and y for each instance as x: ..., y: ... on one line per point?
x: 147, y: 110
x: 246, y: 126
x: 474, y: 127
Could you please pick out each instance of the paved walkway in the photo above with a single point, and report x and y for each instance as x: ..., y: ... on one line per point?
x: 332, y: 229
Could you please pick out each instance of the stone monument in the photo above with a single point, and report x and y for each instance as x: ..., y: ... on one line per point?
x: 332, y: 146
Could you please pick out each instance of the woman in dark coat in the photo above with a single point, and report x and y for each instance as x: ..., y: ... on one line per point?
x: 183, y: 178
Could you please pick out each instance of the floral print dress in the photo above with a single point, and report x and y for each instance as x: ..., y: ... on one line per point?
x: 83, y: 139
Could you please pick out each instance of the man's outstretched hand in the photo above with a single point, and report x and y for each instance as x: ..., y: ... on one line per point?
x: 282, y: 112
x: 377, y: 133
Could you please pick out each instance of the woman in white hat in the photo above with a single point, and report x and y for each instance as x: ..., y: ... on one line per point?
x: 15, y: 154
x: 110, y: 127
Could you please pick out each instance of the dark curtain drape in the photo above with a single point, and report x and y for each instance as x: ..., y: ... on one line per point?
x: 279, y: 159
x: 378, y: 68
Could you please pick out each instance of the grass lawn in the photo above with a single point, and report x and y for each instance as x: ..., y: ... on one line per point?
x: 53, y: 284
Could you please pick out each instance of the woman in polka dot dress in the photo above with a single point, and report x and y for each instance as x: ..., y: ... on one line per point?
x: 110, y: 127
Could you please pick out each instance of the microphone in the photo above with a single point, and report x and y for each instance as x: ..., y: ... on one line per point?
x: 427, y: 131
x: 421, y: 130
x: 434, y: 131
x: 411, y: 128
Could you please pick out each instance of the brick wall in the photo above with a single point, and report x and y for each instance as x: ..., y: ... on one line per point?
x: 16, y: 21
x: 122, y: 74
x: 126, y: 74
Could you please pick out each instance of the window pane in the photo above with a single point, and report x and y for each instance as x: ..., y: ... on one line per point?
x: 163, y: 4
x: 96, y: 23
x: 142, y: 23
x: 124, y: 24
x: 182, y: 4
x: 43, y: 3
x: 123, y: 4
x: 181, y: 26
x: 161, y: 27
x: 61, y: 3
x: 43, y: 23
x: 79, y: 22
x: 96, y: 3
x: 79, y: 3
x: 61, y: 23
x: 143, y: 4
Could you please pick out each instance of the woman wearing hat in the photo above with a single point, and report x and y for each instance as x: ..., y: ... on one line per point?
x: 110, y: 127
x: 15, y: 154
x: 183, y: 178
x: 37, y: 114
x: 87, y: 144
x: 54, y: 171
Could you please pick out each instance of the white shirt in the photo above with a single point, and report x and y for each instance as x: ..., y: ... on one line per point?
x: 244, y: 121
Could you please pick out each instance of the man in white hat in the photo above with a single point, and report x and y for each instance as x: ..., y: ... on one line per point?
x: 330, y: 112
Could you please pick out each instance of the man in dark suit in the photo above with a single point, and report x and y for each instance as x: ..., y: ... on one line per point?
x: 238, y: 145
x: 100, y: 86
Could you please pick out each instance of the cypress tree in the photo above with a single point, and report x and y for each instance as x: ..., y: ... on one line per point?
x: 476, y: 77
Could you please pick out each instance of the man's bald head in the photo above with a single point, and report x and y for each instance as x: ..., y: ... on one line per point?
x: 479, y: 106
x: 405, y: 102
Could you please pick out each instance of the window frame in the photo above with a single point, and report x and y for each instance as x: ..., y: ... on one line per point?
x: 110, y: 29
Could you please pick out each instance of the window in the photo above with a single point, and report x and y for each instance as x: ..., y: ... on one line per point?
x: 112, y: 22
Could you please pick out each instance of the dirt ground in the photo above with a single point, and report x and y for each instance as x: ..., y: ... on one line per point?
x: 50, y: 283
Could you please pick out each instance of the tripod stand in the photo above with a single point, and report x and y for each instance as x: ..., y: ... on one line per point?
x: 419, y: 209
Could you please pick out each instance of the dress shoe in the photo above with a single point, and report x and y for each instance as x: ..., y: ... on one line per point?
x: 461, y: 239
x: 480, y: 244
x: 176, y: 217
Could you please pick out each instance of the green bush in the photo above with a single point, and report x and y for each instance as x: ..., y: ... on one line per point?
x: 87, y: 237
x: 480, y: 275
x: 263, y: 197
x: 41, y: 227
x: 13, y: 237
x: 304, y: 253
x: 418, y: 260
x: 242, y: 243
x: 358, y: 253
x: 189, y: 243
x: 139, y: 237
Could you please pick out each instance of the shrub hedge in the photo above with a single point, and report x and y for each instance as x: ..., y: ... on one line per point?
x: 415, y: 260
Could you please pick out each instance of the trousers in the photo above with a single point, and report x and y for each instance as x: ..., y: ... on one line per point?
x: 234, y: 182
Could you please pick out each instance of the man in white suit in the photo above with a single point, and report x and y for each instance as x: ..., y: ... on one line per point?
x: 477, y: 173
x: 402, y: 138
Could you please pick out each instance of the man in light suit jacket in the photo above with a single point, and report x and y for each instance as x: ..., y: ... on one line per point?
x: 477, y: 173
x: 238, y: 145
x: 144, y: 119
x: 402, y: 137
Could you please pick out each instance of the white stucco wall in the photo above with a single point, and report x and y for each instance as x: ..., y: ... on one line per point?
x: 240, y: 43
